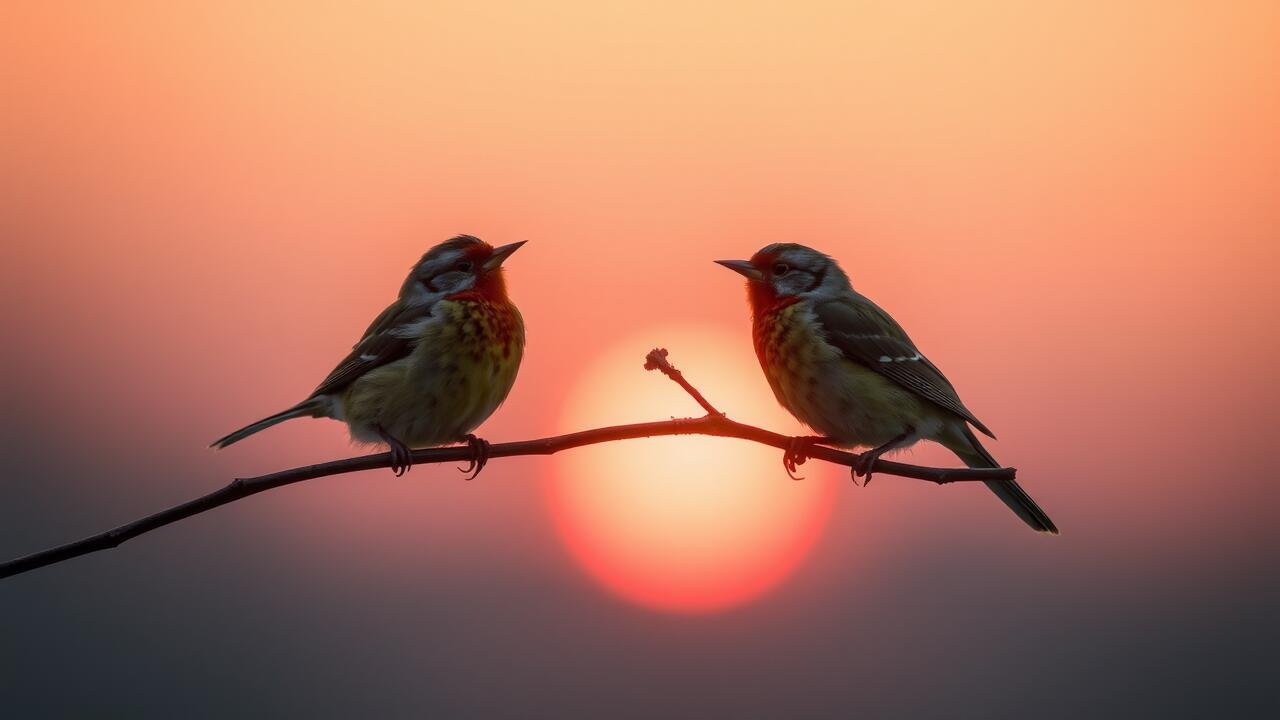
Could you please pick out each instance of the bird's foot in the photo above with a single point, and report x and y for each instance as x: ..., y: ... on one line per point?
x: 862, y: 467
x: 401, y: 455
x: 479, y: 457
x: 867, y: 460
x: 797, y: 453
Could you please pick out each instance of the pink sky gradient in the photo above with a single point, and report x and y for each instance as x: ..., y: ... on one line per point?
x: 1072, y: 207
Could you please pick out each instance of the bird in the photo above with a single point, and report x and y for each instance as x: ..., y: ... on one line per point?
x: 844, y: 367
x: 430, y: 367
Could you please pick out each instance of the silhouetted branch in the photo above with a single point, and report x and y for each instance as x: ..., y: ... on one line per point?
x: 657, y: 360
x: 714, y: 424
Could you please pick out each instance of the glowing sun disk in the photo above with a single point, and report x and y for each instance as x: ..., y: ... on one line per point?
x: 685, y: 524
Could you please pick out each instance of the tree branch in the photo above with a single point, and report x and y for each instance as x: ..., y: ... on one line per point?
x: 657, y: 360
x: 713, y: 424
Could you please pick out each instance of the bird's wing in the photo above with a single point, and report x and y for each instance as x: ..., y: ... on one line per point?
x: 390, y: 337
x: 382, y: 322
x: 867, y: 335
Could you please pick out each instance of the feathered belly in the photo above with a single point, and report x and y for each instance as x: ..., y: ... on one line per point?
x: 447, y: 386
x: 835, y: 396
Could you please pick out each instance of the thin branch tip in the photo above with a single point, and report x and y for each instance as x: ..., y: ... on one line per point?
x: 656, y: 359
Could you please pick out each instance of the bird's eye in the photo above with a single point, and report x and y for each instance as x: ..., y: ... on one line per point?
x: 781, y: 268
x: 463, y: 266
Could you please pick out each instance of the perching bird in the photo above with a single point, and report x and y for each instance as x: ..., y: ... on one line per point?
x: 433, y: 365
x: 841, y: 365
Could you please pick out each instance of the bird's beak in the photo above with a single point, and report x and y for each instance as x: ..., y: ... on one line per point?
x: 743, y: 268
x: 501, y: 253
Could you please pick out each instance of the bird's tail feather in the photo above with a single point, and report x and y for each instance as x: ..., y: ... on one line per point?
x: 306, y: 408
x: 976, y: 456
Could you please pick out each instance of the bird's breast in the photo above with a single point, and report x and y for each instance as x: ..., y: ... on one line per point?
x: 473, y: 363
x: 461, y: 369
x: 484, y: 332
x: 825, y: 390
x: 793, y: 354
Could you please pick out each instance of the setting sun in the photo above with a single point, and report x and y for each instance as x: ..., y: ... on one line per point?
x: 683, y: 524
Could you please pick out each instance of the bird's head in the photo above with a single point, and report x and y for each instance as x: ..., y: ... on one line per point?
x: 786, y: 272
x: 458, y: 265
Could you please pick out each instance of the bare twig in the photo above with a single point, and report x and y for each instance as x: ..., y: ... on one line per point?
x: 657, y: 360
x: 713, y: 424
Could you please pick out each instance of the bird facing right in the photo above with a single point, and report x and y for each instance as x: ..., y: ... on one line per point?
x: 844, y: 367
x: 433, y: 365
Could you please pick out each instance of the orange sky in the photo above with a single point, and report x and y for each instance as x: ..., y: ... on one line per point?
x: 1072, y: 207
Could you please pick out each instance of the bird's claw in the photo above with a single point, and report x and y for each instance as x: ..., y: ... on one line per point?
x: 401, y: 455
x: 400, y: 464
x: 862, y: 468
x: 797, y: 453
x: 793, y: 457
x: 479, y: 457
x: 867, y: 460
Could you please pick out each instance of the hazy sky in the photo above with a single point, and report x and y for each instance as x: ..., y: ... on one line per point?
x: 1072, y: 207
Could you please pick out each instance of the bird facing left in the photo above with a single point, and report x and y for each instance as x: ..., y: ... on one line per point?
x: 432, y: 366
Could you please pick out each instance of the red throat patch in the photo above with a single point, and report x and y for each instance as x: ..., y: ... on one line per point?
x: 763, y: 298
x: 490, y: 286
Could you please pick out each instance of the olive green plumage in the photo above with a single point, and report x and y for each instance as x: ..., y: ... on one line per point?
x: 845, y: 367
x: 433, y: 365
x: 460, y: 370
